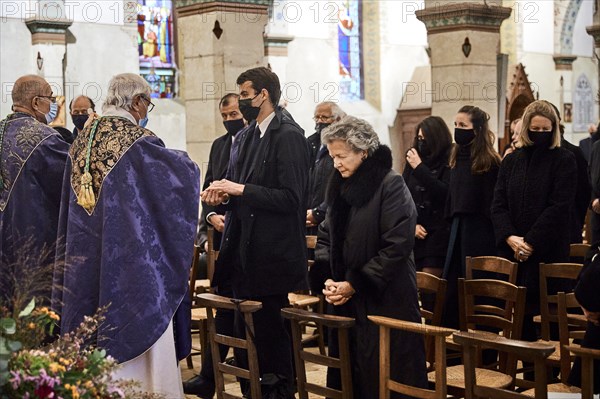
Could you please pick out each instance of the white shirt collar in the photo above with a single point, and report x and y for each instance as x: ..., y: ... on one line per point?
x: 265, y: 124
x: 111, y: 110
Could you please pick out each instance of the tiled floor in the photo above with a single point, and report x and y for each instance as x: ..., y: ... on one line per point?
x: 314, y: 373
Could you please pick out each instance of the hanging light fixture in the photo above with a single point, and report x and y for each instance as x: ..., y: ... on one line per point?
x: 466, y: 47
x: 40, y: 61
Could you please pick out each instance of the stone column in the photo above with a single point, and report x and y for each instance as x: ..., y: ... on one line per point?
x: 48, y: 27
x: 465, y: 40
x: 217, y: 41
x: 594, y: 31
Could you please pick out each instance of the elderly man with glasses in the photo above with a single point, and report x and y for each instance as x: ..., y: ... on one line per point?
x: 32, y: 163
x: 128, y: 215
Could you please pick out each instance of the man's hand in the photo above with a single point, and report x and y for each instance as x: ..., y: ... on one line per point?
x: 217, y: 221
x: 420, y: 232
x: 592, y: 317
x: 338, y: 293
x: 213, y: 197
x: 228, y: 187
x: 596, y: 205
x: 310, y: 219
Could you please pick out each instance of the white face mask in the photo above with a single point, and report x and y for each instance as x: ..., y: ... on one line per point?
x: 51, y: 115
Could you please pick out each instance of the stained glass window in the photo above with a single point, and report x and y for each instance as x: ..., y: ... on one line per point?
x: 155, y: 46
x: 350, y: 50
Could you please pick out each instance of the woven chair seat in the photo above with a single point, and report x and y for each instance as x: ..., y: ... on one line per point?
x: 556, y: 388
x: 456, y: 377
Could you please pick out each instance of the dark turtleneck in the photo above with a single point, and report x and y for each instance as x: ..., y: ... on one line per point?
x: 470, y: 193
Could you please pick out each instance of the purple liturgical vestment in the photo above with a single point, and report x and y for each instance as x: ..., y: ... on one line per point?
x: 134, y: 248
x: 32, y: 163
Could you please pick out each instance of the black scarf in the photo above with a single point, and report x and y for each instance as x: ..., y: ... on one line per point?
x: 355, y: 191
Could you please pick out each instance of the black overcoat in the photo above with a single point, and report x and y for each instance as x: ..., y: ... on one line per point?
x: 367, y: 239
x: 533, y: 197
x: 264, y: 245
x: 428, y: 185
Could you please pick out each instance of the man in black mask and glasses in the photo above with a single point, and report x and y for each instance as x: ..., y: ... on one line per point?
x: 221, y: 163
x: 264, y: 244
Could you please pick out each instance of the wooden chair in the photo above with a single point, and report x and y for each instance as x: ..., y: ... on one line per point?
x: 431, y: 285
x: 529, y: 351
x: 570, y: 326
x: 568, y: 271
x: 577, y: 252
x: 300, y: 316
x: 438, y: 334
x: 506, y: 319
x: 213, y: 302
x: 587, y: 369
x: 198, y: 324
x: 301, y: 300
x: 491, y: 264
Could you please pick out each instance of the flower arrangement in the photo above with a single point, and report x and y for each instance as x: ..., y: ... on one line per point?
x: 67, y: 368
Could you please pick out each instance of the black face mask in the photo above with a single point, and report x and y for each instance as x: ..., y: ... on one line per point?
x: 234, y: 126
x: 249, y: 111
x: 79, y: 121
x: 320, y: 126
x: 464, y: 136
x: 540, y: 139
x: 423, y: 148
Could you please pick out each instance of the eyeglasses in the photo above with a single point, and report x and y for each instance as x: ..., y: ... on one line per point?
x: 150, y: 104
x: 317, y: 118
x: 51, y: 98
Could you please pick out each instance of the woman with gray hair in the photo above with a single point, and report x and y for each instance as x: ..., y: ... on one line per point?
x: 364, y: 256
x: 128, y: 217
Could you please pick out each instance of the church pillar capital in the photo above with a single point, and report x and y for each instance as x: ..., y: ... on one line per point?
x: 450, y: 17
x: 47, y: 31
x: 563, y: 62
x: 594, y: 31
x: 192, y: 7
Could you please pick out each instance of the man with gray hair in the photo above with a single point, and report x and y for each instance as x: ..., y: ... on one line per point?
x: 321, y: 163
x: 32, y: 163
x: 128, y: 214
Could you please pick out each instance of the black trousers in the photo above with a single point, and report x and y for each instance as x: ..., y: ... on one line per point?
x: 272, y: 339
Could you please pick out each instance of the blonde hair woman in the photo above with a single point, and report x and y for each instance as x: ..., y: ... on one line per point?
x: 535, y: 189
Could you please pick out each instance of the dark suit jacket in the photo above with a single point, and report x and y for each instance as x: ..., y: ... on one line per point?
x: 218, y: 160
x: 320, y: 171
x: 264, y: 246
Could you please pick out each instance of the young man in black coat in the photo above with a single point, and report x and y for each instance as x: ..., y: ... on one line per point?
x: 264, y: 245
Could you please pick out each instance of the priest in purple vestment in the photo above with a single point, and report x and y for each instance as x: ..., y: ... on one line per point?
x: 128, y: 213
x: 32, y: 163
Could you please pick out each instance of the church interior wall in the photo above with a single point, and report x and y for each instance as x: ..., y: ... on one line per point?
x: 538, y: 31
x: 96, y: 33
x: 583, y: 43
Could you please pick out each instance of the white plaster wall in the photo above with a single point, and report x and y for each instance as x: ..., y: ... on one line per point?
x: 15, y: 58
x: 537, y: 19
x: 583, y: 44
x: 99, y: 46
x: 312, y: 64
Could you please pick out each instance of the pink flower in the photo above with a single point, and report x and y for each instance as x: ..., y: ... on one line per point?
x: 16, y: 380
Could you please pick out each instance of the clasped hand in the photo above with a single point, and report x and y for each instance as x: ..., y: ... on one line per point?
x: 338, y: 292
x: 219, y: 192
x: 522, y: 250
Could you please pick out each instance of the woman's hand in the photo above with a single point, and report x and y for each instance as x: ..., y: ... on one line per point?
x: 413, y: 158
x: 596, y: 205
x: 592, y: 317
x: 420, y: 232
x: 338, y: 293
x: 522, y: 250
